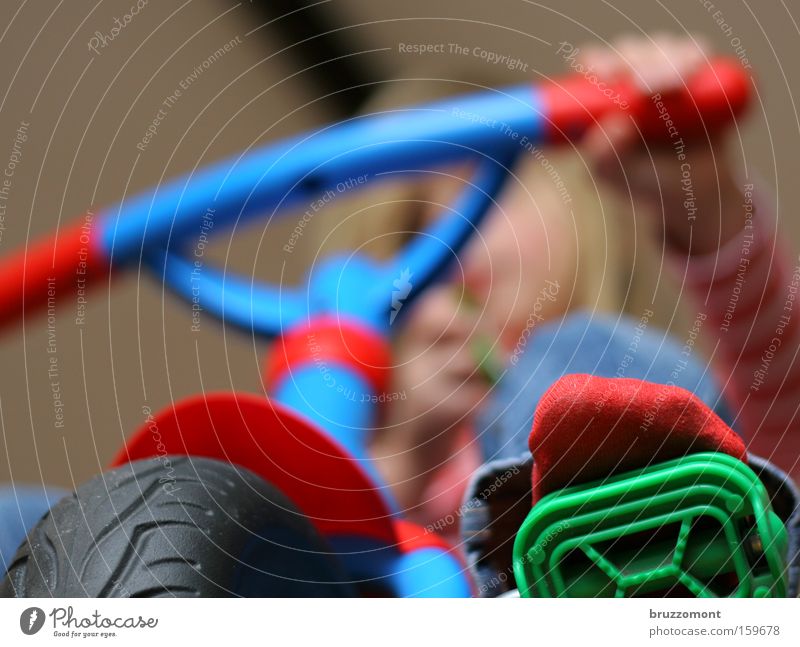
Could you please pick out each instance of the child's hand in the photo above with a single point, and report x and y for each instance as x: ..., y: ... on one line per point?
x: 696, y: 198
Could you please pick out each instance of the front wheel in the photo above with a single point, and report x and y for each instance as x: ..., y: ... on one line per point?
x: 174, y: 526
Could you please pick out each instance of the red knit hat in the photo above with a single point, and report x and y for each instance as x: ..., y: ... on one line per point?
x: 588, y: 427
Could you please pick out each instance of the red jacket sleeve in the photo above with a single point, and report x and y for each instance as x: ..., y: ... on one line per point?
x: 749, y: 292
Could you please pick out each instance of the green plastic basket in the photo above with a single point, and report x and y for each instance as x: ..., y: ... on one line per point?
x: 698, y: 526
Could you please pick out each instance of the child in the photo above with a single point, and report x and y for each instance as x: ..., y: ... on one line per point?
x: 719, y: 240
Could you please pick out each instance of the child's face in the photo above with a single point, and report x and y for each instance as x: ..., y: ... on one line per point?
x: 513, y: 274
x: 518, y: 267
x: 516, y: 270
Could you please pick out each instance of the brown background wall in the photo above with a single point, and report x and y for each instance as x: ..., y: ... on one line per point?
x: 87, y: 111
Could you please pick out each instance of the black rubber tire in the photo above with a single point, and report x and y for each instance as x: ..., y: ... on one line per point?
x: 174, y: 526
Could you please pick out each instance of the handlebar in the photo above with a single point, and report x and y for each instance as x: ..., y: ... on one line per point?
x: 159, y: 223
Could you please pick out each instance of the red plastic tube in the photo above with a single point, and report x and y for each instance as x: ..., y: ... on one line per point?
x: 57, y: 267
x: 710, y: 99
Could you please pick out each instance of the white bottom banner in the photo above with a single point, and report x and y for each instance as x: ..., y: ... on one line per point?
x: 380, y: 622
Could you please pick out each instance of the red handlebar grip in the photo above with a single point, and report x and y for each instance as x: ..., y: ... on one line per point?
x: 49, y: 269
x: 710, y: 99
